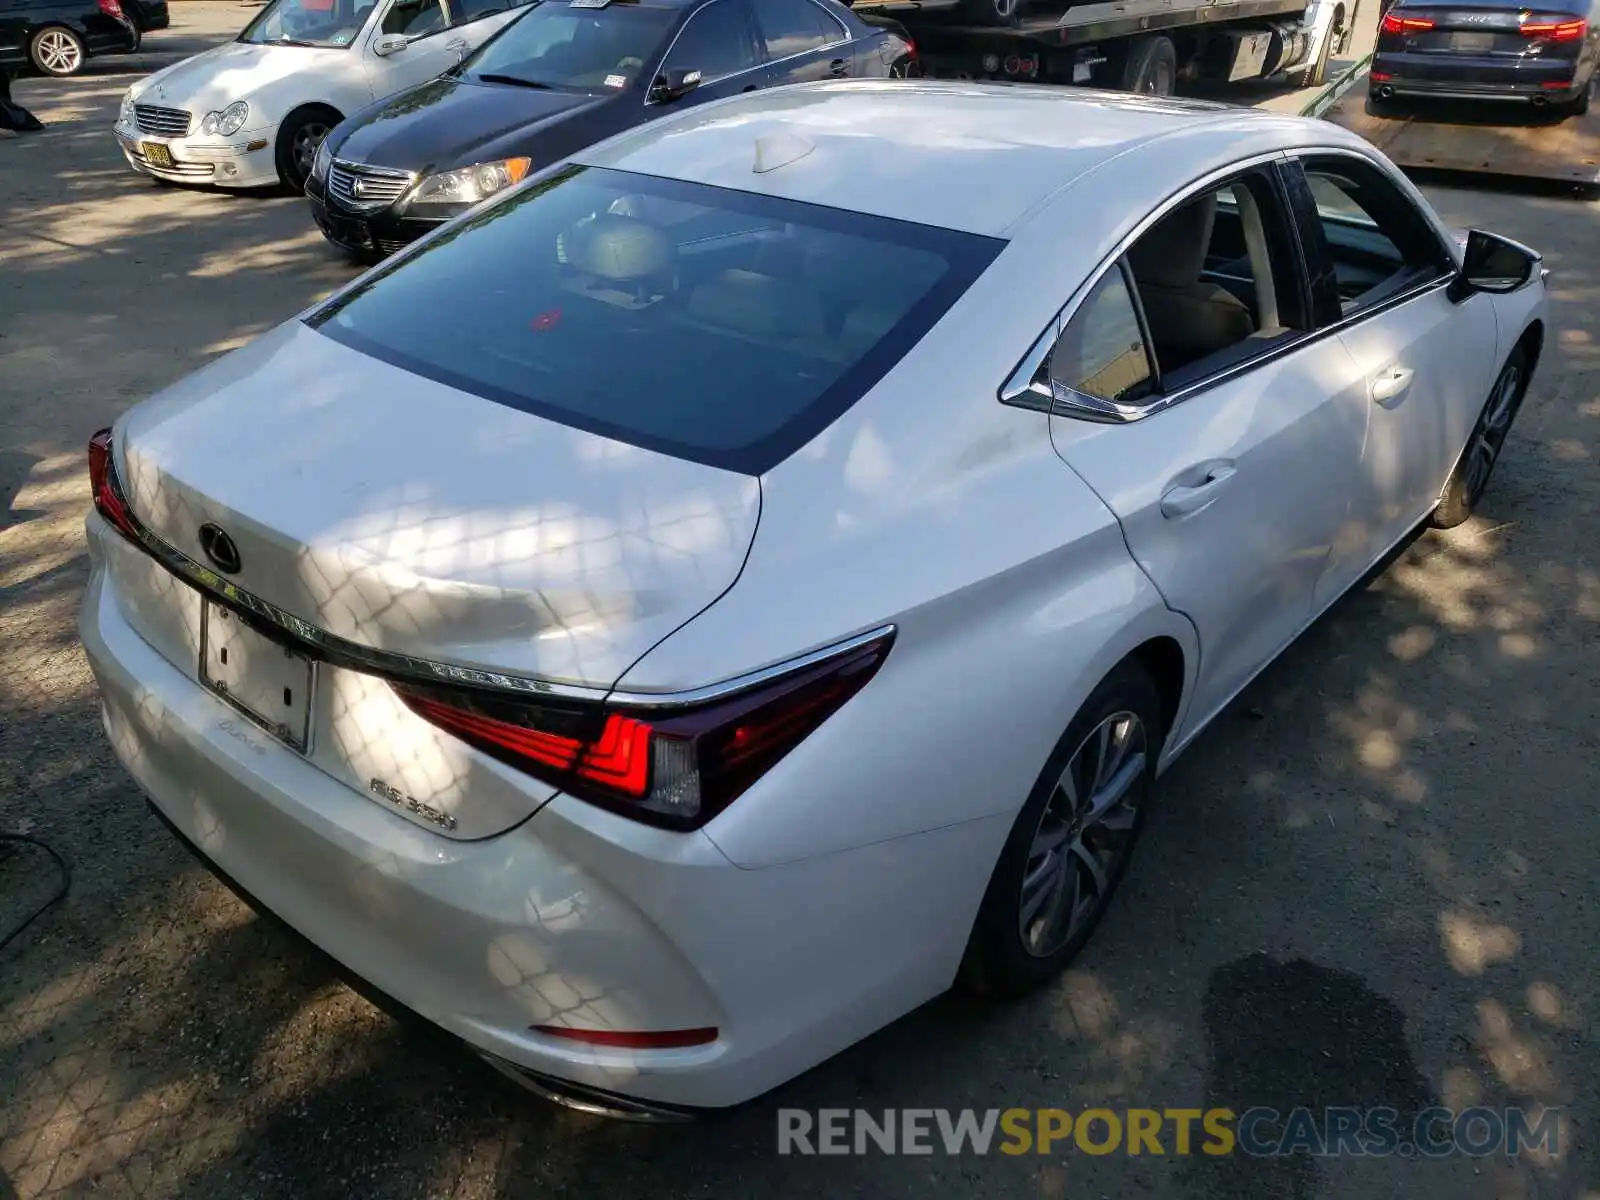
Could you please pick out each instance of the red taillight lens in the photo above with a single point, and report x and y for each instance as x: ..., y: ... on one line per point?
x: 108, y: 498
x: 1555, y: 30
x: 663, y: 1039
x: 676, y: 765
x: 111, y: 8
x: 1393, y: 22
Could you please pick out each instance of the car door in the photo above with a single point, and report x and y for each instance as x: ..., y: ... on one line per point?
x: 1190, y: 390
x: 1382, y: 283
x: 803, y: 41
x: 432, y: 46
x: 719, y: 41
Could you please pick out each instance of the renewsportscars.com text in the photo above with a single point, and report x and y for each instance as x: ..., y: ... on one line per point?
x: 1258, y: 1132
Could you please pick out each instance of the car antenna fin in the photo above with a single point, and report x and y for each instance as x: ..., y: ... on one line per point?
x: 779, y: 150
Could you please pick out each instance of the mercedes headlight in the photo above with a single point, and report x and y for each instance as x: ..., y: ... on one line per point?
x: 465, y: 186
x: 125, y: 114
x: 227, y: 122
x: 323, y: 160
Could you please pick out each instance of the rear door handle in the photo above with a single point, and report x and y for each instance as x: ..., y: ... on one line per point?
x: 1185, y: 500
x: 839, y: 66
x: 1390, y: 385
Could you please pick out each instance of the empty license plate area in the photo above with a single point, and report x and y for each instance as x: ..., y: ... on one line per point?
x: 1472, y: 43
x: 269, y: 684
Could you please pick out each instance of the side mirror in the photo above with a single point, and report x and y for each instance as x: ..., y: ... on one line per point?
x: 390, y: 43
x: 674, y: 84
x: 1492, y: 263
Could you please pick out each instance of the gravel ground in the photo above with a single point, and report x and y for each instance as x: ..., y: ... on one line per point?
x: 1373, y: 883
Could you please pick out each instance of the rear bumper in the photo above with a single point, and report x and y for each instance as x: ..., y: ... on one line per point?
x: 1475, y: 78
x: 574, y: 918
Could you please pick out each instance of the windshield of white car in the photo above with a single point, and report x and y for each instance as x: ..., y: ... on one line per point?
x: 575, y: 49
x: 719, y: 326
x: 322, y: 24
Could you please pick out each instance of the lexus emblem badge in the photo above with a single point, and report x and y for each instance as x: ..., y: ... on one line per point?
x: 219, y: 548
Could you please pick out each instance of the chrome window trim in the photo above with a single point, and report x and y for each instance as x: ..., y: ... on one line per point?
x: 1020, y: 384
x: 324, y: 647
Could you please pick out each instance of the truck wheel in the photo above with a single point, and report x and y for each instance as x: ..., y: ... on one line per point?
x: 1151, y: 68
x: 1317, y: 73
x: 992, y: 12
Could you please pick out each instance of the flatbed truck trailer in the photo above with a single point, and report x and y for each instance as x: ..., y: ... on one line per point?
x: 1475, y: 139
x: 1144, y: 46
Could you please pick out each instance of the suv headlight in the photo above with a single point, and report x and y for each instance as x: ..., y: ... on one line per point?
x: 227, y: 122
x: 323, y: 160
x: 465, y: 186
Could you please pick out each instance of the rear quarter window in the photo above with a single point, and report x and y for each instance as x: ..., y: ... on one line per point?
x: 714, y: 325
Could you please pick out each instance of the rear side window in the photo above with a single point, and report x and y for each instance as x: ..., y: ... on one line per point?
x: 790, y: 27
x: 715, y: 325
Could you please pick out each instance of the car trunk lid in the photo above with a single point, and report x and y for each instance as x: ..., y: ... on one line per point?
x: 406, y: 517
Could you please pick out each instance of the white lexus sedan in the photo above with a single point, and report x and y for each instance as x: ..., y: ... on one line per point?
x: 697, y: 606
x: 252, y: 112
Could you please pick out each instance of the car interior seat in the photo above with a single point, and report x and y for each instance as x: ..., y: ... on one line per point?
x: 1188, y: 317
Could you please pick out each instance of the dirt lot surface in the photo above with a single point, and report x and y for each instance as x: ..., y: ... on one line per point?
x: 1373, y: 883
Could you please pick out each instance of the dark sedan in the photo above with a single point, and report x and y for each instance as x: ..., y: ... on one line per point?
x: 1488, y: 50
x: 56, y: 37
x: 561, y: 77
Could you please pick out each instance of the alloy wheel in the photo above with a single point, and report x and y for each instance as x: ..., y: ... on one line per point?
x: 1084, y: 835
x: 1490, y: 436
x: 307, y: 141
x: 59, y: 52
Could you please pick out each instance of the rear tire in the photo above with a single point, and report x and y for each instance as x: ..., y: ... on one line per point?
x: 1151, y: 68
x: 1014, y: 947
x: 1378, y: 107
x: 57, y: 51
x: 1580, y: 106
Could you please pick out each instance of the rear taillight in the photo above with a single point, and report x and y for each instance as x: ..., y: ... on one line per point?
x: 675, y: 766
x: 1556, y: 30
x: 112, y: 8
x: 1393, y: 22
x: 108, y: 498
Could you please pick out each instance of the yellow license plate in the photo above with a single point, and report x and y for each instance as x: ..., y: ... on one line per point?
x: 156, y: 154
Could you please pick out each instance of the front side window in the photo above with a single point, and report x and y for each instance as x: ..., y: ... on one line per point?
x: 719, y: 326
x: 1376, y: 240
x: 557, y: 46
x: 790, y: 27
x: 715, y: 42
x: 329, y: 24
x: 1101, y: 352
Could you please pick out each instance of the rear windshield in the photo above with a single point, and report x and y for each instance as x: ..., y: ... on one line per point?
x: 710, y: 324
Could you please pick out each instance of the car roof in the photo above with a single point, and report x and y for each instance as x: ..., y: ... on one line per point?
x: 977, y: 157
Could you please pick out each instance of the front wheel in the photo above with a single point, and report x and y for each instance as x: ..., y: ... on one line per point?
x: 57, y: 52
x: 1470, y: 479
x: 299, y: 138
x: 1072, y: 841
